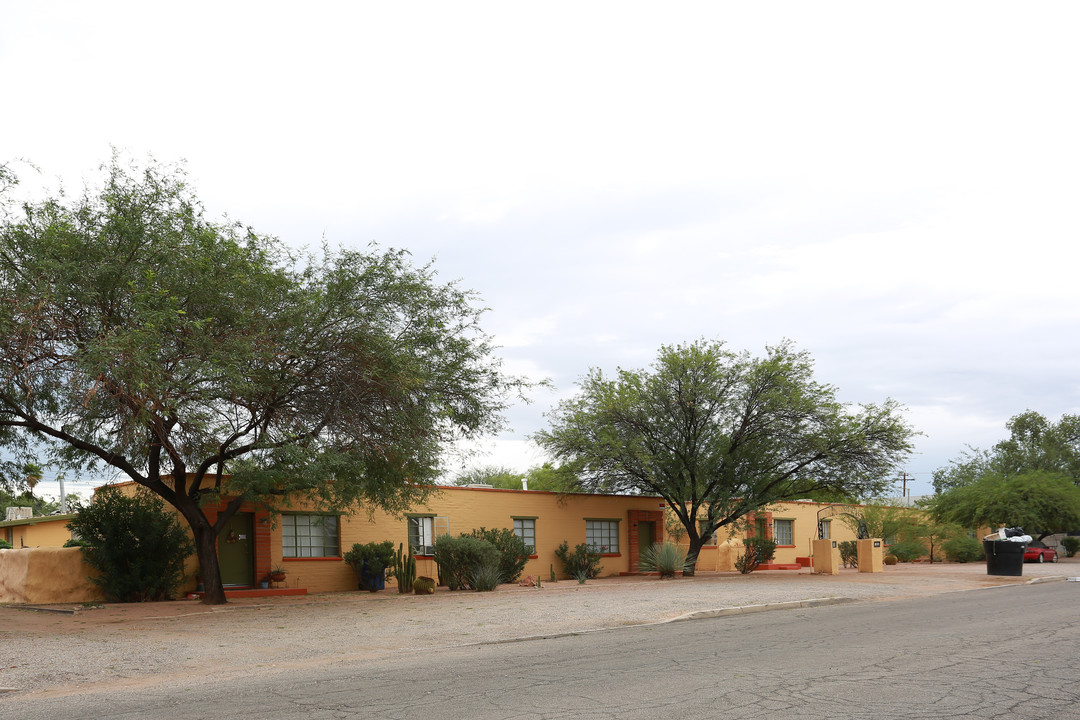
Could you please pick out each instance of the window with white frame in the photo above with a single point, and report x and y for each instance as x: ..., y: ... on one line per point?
x: 602, y: 536
x: 825, y: 529
x: 525, y: 528
x: 783, y: 532
x: 422, y: 535
x: 310, y: 536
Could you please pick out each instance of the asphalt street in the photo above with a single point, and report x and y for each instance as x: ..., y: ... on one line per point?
x: 1007, y: 653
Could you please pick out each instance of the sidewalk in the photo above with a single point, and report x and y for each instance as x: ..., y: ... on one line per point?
x: 140, y: 643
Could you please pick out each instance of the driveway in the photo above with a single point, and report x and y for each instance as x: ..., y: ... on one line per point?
x: 63, y: 650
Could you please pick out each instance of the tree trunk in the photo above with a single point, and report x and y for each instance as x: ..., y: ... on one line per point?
x: 206, y: 551
x: 696, y: 543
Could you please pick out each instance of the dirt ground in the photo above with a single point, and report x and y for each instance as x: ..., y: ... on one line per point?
x: 60, y: 649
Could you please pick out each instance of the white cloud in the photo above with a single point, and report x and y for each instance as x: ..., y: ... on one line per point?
x: 892, y: 188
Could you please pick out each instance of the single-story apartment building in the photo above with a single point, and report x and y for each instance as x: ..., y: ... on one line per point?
x: 309, y: 545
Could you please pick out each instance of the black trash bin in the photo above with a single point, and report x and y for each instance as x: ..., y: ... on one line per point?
x: 1004, y: 557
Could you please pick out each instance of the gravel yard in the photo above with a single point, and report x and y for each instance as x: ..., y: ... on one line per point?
x: 63, y: 651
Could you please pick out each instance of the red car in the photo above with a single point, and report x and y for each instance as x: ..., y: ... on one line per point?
x: 1038, y: 552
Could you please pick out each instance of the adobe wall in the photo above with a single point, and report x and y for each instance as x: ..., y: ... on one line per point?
x: 46, y: 575
x: 557, y: 517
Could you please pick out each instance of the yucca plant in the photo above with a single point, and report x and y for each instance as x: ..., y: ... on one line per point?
x: 485, y: 578
x: 666, y: 558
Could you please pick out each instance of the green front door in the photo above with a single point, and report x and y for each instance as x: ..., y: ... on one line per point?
x: 646, y: 534
x: 236, y: 551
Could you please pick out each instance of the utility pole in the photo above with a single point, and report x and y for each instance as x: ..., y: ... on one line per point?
x: 904, y: 479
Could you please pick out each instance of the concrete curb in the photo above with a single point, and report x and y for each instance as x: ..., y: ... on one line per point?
x: 696, y: 615
x: 1036, y: 581
x: 766, y: 607
x: 53, y: 610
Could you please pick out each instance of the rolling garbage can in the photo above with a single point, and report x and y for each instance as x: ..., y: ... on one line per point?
x: 1004, y: 557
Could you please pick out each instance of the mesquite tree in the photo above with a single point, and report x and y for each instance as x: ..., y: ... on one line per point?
x: 200, y: 358
x: 719, y: 434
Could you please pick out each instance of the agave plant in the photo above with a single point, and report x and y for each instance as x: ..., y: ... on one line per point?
x: 666, y: 558
x: 485, y: 578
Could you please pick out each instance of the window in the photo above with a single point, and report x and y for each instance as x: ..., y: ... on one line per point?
x: 783, y: 532
x: 422, y: 535
x: 825, y: 529
x: 309, y: 536
x: 602, y: 536
x: 525, y: 528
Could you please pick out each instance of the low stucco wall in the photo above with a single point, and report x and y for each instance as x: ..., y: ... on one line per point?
x: 46, y: 575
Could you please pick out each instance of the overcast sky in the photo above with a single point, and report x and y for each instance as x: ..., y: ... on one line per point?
x: 891, y: 186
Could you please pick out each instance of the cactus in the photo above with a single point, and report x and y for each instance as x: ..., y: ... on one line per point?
x: 424, y: 586
x: 404, y: 569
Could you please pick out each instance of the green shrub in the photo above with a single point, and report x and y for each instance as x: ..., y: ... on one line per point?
x: 764, y: 549
x: 747, y: 562
x: 963, y: 549
x: 75, y: 542
x: 666, y: 558
x: 907, y: 550
x: 849, y: 552
x: 369, y: 561
x: 1071, y: 545
x: 458, y: 557
x: 513, y: 552
x: 582, y: 563
x: 138, y: 548
x: 485, y: 578
x: 5, y: 545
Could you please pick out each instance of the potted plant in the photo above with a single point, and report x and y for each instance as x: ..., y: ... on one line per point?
x: 277, y: 574
x: 369, y: 561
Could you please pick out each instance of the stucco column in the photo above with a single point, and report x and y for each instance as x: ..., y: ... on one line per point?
x: 871, y: 555
x: 826, y: 557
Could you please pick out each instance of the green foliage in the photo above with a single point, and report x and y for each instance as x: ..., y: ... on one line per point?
x: 39, y: 505
x: 404, y: 568
x: 759, y: 551
x: 963, y: 549
x: 1071, y: 545
x: 747, y: 562
x: 75, y: 542
x: 582, y: 563
x: 849, y: 553
x: 721, y: 434
x: 666, y: 558
x: 1040, y: 502
x: 549, y: 478
x: 513, y: 552
x: 138, y: 548
x: 673, y: 527
x: 890, y: 560
x: 495, y: 476
x: 5, y: 545
x: 458, y: 557
x: 908, y: 550
x: 764, y: 548
x: 370, y: 560
x: 485, y: 578
x: 424, y: 586
x: 1035, y: 445
x: 887, y: 522
x: 140, y: 335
